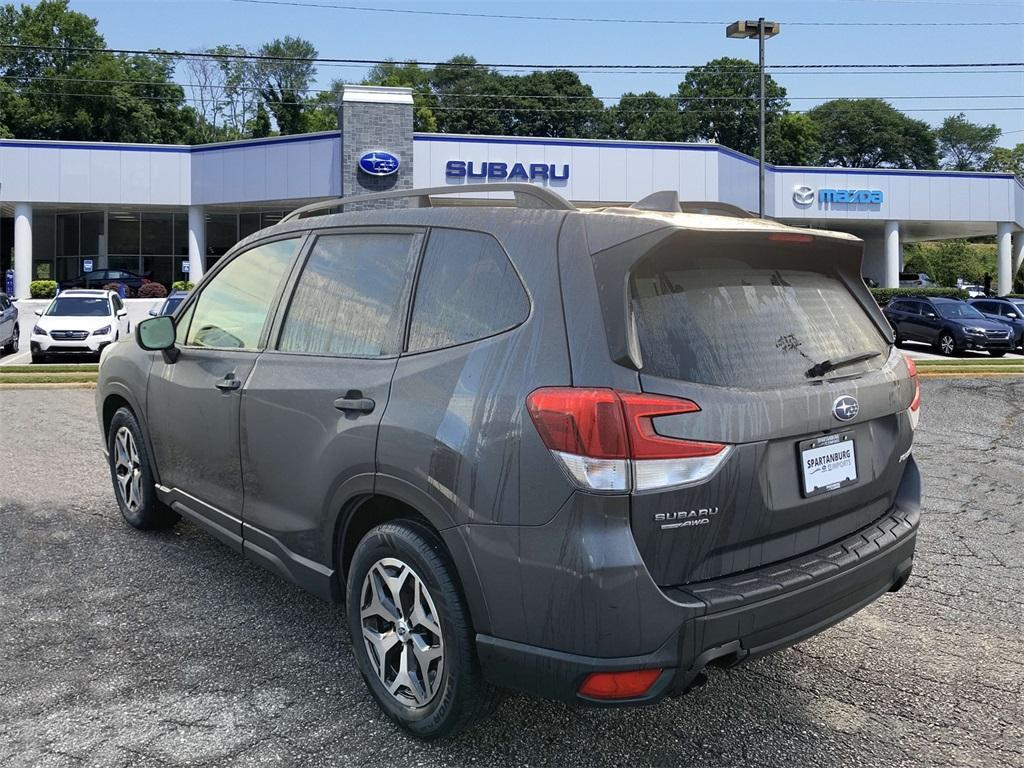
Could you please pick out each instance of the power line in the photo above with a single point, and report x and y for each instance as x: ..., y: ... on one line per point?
x: 478, y: 65
x: 532, y: 96
x: 604, y: 20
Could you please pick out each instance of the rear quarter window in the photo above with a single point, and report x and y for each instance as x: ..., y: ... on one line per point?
x: 731, y: 321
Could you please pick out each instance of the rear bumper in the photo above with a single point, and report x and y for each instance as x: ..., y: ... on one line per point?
x: 730, y: 620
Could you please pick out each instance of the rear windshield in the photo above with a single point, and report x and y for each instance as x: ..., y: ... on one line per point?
x: 725, y: 321
x: 79, y: 306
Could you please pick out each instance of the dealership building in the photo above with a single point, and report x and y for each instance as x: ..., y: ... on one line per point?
x: 69, y: 207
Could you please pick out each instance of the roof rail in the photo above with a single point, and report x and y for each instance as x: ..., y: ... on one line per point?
x: 526, y: 196
x: 668, y: 200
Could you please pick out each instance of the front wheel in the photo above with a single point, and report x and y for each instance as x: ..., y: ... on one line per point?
x: 947, y: 344
x: 132, y: 475
x: 996, y: 353
x: 411, y: 632
x: 12, y: 346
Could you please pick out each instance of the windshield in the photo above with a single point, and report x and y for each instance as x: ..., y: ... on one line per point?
x: 172, y: 304
x: 79, y: 306
x: 723, y: 321
x: 959, y: 312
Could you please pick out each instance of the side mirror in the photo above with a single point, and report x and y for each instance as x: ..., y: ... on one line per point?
x: 39, y: 313
x: 122, y: 313
x: 157, y: 335
x: 1012, y: 315
x: 929, y: 314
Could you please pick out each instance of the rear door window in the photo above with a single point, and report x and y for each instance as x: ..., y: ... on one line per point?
x: 467, y: 290
x: 714, y: 319
x: 351, y: 298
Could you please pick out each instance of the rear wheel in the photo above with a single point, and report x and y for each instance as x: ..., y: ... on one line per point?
x: 946, y: 344
x: 411, y: 632
x: 997, y: 353
x: 132, y: 475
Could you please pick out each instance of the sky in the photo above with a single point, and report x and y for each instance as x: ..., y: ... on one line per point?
x: 809, y: 35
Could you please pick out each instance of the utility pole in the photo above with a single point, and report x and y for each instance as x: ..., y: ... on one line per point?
x: 762, y: 30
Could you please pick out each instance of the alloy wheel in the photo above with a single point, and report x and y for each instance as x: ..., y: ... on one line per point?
x: 16, y: 341
x: 947, y: 344
x: 402, y: 632
x: 128, y: 469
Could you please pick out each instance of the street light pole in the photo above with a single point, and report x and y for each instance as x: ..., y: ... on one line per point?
x: 762, y: 30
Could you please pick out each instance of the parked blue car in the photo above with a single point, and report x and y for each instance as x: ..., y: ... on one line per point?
x: 950, y: 325
x: 170, y: 303
x: 1006, y: 311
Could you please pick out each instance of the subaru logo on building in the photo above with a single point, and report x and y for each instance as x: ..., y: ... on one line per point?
x: 803, y: 195
x: 845, y: 408
x: 379, y: 163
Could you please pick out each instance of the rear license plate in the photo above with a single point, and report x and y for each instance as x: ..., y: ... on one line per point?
x: 828, y: 463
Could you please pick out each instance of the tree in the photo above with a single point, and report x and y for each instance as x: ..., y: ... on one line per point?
x: 322, y: 109
x: 259, y: 127
x: 647, y: 117
x: 719, y: 102
x: 85, y: 93
x: 1006, y: 160
x: 409, y: 75
x: 871, y: 133
x: 794, y: 139
x: 469, y: 98
x: 963, y: 145
x: 552, y: 103
x: 283, y: 76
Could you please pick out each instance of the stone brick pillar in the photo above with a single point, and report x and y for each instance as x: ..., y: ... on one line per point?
x: 375, y: 119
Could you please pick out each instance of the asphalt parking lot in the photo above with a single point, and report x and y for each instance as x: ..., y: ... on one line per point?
x: 122, y: 648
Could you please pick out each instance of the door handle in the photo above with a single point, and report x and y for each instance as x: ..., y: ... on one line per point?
x: 228, y: 383
x: 353, y: 402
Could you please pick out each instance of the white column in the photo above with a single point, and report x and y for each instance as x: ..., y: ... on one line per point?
x: 22, y: 249
x: 196, y: 242
x: 893, y: 254
x: 1004, y: 232
x: 1017, y: 246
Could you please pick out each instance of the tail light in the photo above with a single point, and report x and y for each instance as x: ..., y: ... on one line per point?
x: 915, y: 404
x: 606, y: 440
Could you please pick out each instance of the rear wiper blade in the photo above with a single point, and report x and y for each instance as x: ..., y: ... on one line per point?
x: 820, y: 369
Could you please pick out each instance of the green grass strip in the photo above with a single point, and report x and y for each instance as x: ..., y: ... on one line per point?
x: 83, y: 368
x: 48, y: 378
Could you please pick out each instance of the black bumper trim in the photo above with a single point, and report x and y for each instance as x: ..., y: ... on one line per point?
x: 734, y: 619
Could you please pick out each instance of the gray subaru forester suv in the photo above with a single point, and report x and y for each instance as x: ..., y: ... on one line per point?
x: 578, y: 453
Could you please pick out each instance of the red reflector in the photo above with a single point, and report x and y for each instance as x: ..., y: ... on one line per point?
x: 619, y: 685
x: 912, y: 367
x: 790, y: 237
x: 605, y: 424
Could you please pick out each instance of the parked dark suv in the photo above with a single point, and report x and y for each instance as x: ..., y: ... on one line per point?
x: 950, y: 325
x: 1009, y: 312
x: 582, y: 454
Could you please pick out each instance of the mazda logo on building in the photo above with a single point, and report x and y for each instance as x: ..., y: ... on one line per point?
x: 379, y: 163
x: 845, y: 408
x: 803, y: 195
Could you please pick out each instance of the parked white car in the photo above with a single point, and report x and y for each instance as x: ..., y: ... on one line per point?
x: 79, y: 322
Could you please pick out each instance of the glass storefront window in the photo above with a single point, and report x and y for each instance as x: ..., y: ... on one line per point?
x: 157, y: 234
x: 68, y: 268
x: 92, y: 230
x: 43, y: 238
x: 67, y: 235
x: 247, y: 224
x: 180, y: 234
x: 124, y: 232
x: 159, y: 269
x: 221, y: 233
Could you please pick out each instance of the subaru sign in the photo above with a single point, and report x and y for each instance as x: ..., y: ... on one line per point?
x: 379, y: 163
x: 804, y: 195
x: 460, y: 169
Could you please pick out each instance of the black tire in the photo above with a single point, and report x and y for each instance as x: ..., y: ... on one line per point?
x: 12, y: 346
x: 997, y: 352
x: 460, y: 693
x: 38, y: 357
x: 946, y: 344
x: 136, y: 496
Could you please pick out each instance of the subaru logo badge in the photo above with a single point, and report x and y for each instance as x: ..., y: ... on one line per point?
x: 803, y: 195
x: 845, y: 408
x: 379, y: 163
